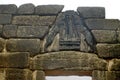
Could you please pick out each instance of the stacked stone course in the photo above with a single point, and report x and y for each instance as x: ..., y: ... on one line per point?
x: 23, y: 54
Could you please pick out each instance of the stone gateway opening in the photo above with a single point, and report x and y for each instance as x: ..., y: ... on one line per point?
x: 68, y: 78
x: 40, y: 41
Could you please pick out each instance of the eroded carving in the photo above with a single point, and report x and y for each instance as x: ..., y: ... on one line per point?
x: 70, y: 28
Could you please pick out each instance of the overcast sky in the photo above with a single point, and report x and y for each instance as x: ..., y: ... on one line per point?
x: 111, y: 6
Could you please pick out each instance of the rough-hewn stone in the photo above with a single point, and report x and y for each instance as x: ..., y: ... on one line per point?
x: 108, y: 50
x: 14, y: 60
x: 8, y: 9
x: 5, y: 18
x: 32, y: 31
x: 24, y: 45
x: 26, y: 9
x: 2, y: 74
x: 15, y: 74
x: 54, y: 47
x: 34, y: 20
x: 106, y: 75
x: 2, y: 43
x: 68, y: 60
x: 38, y: 75
x: 107, y: 24
x: 91, y: 12
x: 115, y: 65
x: 9, y: 31
x: 48, y: 9
x: 105, y: 36
x: 1, y: 28
x: 118, y: 36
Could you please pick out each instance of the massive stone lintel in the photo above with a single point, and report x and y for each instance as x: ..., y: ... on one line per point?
x: 68, y: 60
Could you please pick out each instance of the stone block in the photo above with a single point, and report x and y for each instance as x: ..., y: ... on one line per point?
x: 23, y: 45
x: 103, y: 24
x: 106, y: 75
x: 34, y: 20
x: 2, y: 74
x: 32, y: 31
x: 68, y: 60
x: 15, y: 74
x: 118, y: 36
x: 14, y: 60
x: 26, y: 9
x: 8, y: 9
x: 54, y: 47
x: 115, y: 65
x: 1, y: 29
x: 108, y: 50
x: 9, y: 31
x: 91, y: 12
x: 5, y: 18
x: 105, y: 36
x: 48, y: 9
x: 38, y: 75
x: 2, y: 43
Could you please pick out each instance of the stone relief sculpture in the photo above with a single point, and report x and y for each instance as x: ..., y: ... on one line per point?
x: 73, y: 33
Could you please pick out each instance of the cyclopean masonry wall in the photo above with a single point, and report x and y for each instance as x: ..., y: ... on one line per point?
x: 44, y: 41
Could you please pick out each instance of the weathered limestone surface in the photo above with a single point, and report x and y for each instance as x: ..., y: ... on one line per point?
x: 105, y: 36
x: 103, y: 24
x: 32, y: 31
x: 14, y: 60
x: 26, y: 9
x: 2, y: 43
x: 1, y: 27
x: 42, y: 41
x: 24, y: 45
x: 91, y: 12
x: 68, y: 60
x: 118, y: 36
x: 48, y: 9
x: 115, y: 65
x: 9, y: 31
x: 8, y: 9
x: 5, y: 18
x: 15, y: 74
x: 2, y: 74
x: 38, y: 75
x: 108, y: 50
x: 106, y: 75
x: 33, y: 20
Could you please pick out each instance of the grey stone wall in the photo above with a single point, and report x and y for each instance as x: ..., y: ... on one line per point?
x: 33, y: 41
